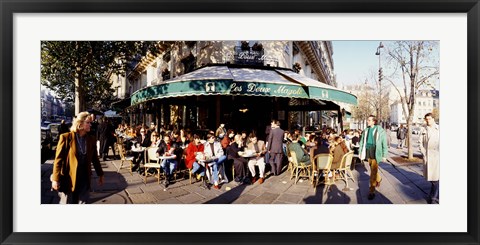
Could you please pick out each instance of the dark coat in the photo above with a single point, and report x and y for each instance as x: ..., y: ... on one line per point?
x: 275, y: 141
x: 146, y: 142
x: 106, y: 136
x: 162, y: 148
x: 232, y: 152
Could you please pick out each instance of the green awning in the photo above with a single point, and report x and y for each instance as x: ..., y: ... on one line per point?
x: 224, y: 80
x: 322, y: 91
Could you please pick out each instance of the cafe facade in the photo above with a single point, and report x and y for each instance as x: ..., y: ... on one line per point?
x: 243, y: 84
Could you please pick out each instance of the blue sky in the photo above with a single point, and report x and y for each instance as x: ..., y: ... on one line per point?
x: 354, y: 60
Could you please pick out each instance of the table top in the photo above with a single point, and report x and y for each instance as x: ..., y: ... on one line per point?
x: 139, y: 149
x: 167, y: 157
x: 243, y: 154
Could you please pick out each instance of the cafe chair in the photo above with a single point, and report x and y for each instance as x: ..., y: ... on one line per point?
x: 118, y: 141
x: 290, y: 167
x: 300, y: 169
x: 322, y: 166
x: 152, y: 161
x: 124, y: 158
x: 345, y: 173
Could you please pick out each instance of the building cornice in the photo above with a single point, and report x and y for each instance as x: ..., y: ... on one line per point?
x: 149, y: 59
x: 306, y: 47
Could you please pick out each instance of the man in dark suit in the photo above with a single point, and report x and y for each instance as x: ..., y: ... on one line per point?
x: 144, y: 141
x: 275, y: 147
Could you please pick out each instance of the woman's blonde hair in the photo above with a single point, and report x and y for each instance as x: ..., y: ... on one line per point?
x: 81, y: 117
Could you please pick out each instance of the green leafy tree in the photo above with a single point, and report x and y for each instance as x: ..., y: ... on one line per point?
x: 79, y: 70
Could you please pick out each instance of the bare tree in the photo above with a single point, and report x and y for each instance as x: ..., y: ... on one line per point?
x: 415, y: 65
x: 366, y: 104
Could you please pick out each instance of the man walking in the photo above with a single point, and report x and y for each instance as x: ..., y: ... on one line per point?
x: 373, y: 147
x: 275, y: 147
x: 430, y: 148
x: 401, y: 135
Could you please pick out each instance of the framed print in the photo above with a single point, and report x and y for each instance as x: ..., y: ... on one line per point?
x: 26, y: 23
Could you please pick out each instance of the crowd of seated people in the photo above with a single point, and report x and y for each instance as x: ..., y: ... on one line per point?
x: 219, y: 151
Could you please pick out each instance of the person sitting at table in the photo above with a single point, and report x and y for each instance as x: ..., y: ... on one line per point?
x: 182, y: 139
x: 168, y: 148
x: 244, y: 138
x: 228, y: 140
x: 322, y: 145
x: 302, y: 155
x: 338, y: 150
x: 142, y: 141
x: 258, y: 147
x: 215, y: 157
x: 155, y: 139
x: 239, y: 162
x: 192, y: 150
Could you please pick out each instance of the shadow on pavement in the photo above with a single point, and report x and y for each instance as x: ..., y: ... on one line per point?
x: 229, y: 196
x: 364, y: 187
x: 414, y: 185
x: 113, y: 184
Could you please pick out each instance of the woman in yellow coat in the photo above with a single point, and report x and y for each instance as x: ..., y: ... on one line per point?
x: 76, y: 151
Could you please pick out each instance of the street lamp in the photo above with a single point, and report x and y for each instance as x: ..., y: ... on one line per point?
x: 380, y: 77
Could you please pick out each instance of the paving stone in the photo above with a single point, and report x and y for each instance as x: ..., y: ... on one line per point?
x: 134, y: 190
x: 106, y: 187
x: 204, y: 193
x: 258, y: 191
x: 279, y: 202
x: 244, y: 199
x: 419, y: 201
x: 172, y: 200
x: 169, y: 193
x: 103, y: 198
x: 265, y: 198
x: 290, y: 198
x: 298, y: 190
x: 219, y: 200
x: 190, y: 198
x: 144, y: 198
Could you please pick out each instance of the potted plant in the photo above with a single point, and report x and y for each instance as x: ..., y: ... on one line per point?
x: 297, y: 67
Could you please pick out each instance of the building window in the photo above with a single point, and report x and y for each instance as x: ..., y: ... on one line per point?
x: 189, y: 63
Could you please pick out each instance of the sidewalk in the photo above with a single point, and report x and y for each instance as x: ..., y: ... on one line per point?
x: 400, y: 185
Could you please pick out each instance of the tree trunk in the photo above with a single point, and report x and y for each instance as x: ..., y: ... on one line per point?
x: 79, y: 94
x: 409, y: 138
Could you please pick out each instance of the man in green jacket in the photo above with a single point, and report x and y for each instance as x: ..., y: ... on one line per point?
x: 373, y: 147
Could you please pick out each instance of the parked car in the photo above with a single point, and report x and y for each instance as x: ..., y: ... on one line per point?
x: 393, y: 127
x: 46, y: 144
x: 415, y: 130
x: 54, y: 131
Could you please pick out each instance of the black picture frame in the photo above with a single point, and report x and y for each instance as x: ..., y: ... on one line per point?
x: 9, y: 8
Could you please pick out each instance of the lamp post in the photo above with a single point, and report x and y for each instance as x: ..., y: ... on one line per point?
x: 380, y: 77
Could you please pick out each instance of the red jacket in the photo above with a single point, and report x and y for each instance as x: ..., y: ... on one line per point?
x: 190, y: 153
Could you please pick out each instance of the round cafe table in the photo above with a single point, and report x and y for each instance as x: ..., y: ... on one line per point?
x: 245, y: 155
x: 204, y: 184
x: 166, y: 157
x: 140, y: 149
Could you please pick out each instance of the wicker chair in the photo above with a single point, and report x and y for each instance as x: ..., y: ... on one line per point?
x: 322, y: 164
x: 124, y: 158
x: 300, y: 169
x: 344, y: 170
